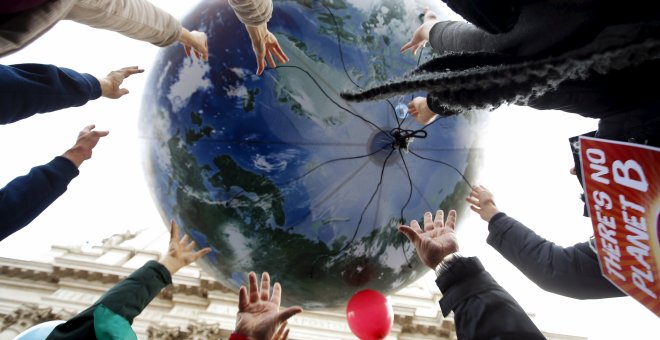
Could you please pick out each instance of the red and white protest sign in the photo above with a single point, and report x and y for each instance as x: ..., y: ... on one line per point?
x: 622, y: 190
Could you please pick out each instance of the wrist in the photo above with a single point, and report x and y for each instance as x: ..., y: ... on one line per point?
x: 75, y: 155
x: 171, y: 264
x: 443, y: 264
x: 259, y: 31
x: 106, y: 86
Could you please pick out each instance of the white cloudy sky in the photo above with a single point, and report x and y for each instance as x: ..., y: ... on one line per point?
x: 527, y: 162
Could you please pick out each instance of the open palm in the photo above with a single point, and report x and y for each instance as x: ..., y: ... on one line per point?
x: 436, y: 241
x: 259, y: 313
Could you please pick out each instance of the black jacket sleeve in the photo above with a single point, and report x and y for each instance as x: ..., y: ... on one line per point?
x: 482, y: 308
x: 25, y: 197
x: 571, y: 271
x: 127, y: 299
x: 28, y: 89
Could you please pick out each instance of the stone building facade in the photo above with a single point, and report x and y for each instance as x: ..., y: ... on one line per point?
x: 69, y: 279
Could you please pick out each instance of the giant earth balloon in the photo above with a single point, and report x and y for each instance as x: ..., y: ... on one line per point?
x: 277, y: 173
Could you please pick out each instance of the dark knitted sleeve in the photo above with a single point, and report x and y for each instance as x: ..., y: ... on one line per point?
x: 25, y: 197
x: 482, y: 308
x: 28, y: 89
x: 571, y: 271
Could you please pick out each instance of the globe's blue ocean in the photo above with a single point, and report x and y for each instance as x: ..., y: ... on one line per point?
x: 277, y: 173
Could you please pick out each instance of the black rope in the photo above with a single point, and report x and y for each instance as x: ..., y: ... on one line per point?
x: 401, y: 139
x: 357, y: 228
x: 328, y: 162
x: 444, y: 163
x: 330, y: 98
x: 343, y: 63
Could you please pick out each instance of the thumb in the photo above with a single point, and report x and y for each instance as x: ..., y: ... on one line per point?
x: 123, y: 92
x: 410, y: 234
x: 287, y: 313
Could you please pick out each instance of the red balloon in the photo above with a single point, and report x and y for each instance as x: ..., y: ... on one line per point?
x: 369, y: 315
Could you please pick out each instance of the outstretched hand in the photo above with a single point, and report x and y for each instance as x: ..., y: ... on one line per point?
x: 421, y: 35
x: 482, y: 202
x: 82, y: 150
x: 420, y: 110
x: 180, y: 252
x: 436, y: 241
x: 265, y: 44
x: 110, y: 85
x: 259, y: 313
x: 196, y: 43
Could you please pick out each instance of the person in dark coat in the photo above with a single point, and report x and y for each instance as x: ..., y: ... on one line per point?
x: 482, y: 308
x: 29, y: 89
x: 111, y: 316
x: 593, y: 58
x: 569, y: 271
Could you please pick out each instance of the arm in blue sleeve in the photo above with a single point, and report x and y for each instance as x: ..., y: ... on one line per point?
x: 571, y: 271
x: 28, y: 89
x: 482, y: 308
x: 25, y: 197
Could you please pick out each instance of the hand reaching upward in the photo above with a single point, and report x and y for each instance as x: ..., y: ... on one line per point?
x: 259, y: 313
x: 180, y: 252
x: 421, y: 35
x: 436, y: 241
x: 110, y: 85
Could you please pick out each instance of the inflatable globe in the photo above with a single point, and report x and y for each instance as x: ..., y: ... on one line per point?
x: 277, y: 173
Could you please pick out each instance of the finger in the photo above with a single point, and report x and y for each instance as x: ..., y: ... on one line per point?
x: 287, y: 313
x: 201, y: 253
x: 99, y: 133
x: 185, y: 239
x: 472, y: 200
x: 277, y: 294
x: 186, y: 48
x: 128, y: 71
x: 439, y: 217
x: 265, y: 286
x: 280, y: 54
x: 242, y: 299
x: 407, y: 46
x: 261, y: 64
x: 428, y: 222
x: 269, y: 57
x: 475, y: 209
x: 280, y: 331
x: 410, y: 234
x: 451, y: 220
x: 414, y: 225
x: 174, y: 230
x: 254, y: 291
x: 88, y: 128
x: 190, y: 246
x: 285, y: 335
x: 123, y: 92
